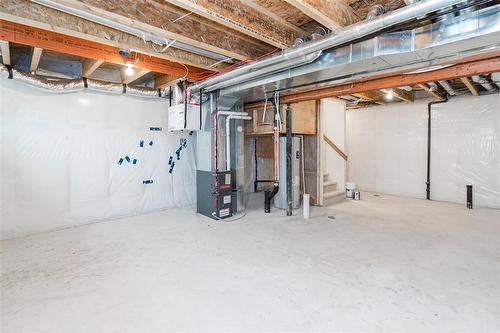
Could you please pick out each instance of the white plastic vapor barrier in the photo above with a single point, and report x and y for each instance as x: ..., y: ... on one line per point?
x: 70, y: 159
x: 387, y: 149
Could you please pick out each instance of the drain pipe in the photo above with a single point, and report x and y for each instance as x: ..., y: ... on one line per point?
x: 269, y: 195
x: 429, y: 123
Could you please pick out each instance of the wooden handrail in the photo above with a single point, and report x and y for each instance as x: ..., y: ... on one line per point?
x: 334, y: 146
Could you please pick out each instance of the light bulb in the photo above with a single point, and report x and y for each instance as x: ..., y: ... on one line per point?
x: 130, y: 70
x: 389, y: 94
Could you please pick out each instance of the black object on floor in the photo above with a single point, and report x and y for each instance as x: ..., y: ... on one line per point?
x: 469, y: 196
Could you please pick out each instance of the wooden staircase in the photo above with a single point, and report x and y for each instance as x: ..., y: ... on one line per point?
x: 331, y: 193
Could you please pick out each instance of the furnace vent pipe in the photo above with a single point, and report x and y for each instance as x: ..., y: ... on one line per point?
x: 229, y: 116
x: 351, y: 33
x: 68, y: 86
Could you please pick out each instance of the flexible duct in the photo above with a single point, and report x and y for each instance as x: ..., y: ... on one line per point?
x: 68, y: 86
x: 484, y: 82
x: 375, y: 11
x: 356, y: 31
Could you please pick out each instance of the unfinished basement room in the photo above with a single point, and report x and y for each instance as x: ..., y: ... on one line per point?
x: 250, y: 166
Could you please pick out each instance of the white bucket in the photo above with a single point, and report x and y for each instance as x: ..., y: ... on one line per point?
x: 350, y: 188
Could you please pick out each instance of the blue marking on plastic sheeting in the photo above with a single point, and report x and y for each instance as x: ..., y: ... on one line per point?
x: 127, y: 158
x: 148, y: 181
x: 171, y: 167
x: 155, y: 128
x: 151, y: 142
x: 178, y: 153
x: 170, y: 160
x: 134, y: 161
x: 120, y: 161
x: 141, y: 144
x: 183, y: 142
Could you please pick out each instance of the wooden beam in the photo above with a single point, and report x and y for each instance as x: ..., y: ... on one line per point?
x: 468, y: 67
x: 37, y: 16
x: 163, y: 81
x: 371, y: 96
x: 237, y: 15
x: 21, y: 34
x: 4, y: 47
x: 275, y: 17
x: 160, y: 18
x: 470, y: 86
x: 404, y: 95
x: 138, y: 73
x: 333, y: 14
x: 36, y: 54
x: 32, y: 14
x: 437, y: 94
x: 89, y: 66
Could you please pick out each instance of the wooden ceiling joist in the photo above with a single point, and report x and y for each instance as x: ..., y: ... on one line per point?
x: 371, y: 96
x: 163, y: 81
x: 137, y: 73
x: 89, y: 66
x: 162, y: 19
x: 26, y: 35
x: 468, y: 83
x: 5, y: 49
x: 37, y: 16
x: 36, y: 54
x: 403, y: 95
x: 240, y: 16
x: 333, y: 14
x: 489, y: 64
x: 433, y: 93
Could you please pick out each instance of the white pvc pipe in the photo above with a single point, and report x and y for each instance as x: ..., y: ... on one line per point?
x: 305, y: 203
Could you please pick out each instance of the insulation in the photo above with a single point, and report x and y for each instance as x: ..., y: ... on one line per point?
x: 61, y: 158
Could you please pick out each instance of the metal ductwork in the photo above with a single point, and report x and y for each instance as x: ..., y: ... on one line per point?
x: 349, y: 34
x: 447, y: 87
x: 483, y: 82
x: 375, y: 11
x: 471, y: 32
x: 68, y: 86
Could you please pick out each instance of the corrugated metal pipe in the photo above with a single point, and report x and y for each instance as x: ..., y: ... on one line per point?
x: 375, y: 11
x: 301, y: 55
x: 484, y: 82
x: 67, y: 86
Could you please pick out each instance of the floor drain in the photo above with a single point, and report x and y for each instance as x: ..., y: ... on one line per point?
x: 331, y: 217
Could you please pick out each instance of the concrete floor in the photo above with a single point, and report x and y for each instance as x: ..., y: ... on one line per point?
x: 382, y: 264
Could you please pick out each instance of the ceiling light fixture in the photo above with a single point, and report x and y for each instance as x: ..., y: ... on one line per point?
x: 130, y: 69
x: 389, y: 94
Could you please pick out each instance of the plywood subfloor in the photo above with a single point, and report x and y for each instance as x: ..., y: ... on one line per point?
x: 382, y: 264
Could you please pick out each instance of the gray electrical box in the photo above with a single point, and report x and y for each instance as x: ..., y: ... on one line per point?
x: 280, y: 198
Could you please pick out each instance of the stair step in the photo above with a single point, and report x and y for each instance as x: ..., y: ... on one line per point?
x: 326, y: 176
x: 333, y: 197
x: 329, y: 183
x: 333, y: 194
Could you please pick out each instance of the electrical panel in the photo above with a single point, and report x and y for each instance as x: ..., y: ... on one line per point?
x: 184, y: 118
